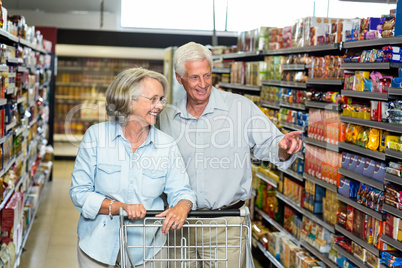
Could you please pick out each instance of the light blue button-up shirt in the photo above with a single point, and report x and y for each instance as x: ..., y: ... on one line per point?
x: 216, y: 147
x: 106, y: 167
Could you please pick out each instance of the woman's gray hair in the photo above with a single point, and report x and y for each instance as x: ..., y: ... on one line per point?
x: 128, y: 86
x: 190, y: 52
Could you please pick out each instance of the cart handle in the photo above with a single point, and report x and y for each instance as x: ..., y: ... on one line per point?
x: 200, y: 213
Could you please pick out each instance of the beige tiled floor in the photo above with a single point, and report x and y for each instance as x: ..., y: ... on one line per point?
x: 52, y: 241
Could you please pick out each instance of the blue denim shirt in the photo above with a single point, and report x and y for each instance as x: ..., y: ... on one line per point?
x: 106, y: 167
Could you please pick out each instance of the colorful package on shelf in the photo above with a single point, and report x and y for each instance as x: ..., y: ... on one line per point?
x: 394, y: 168
x: 392, y: 54
x: 394, y: 112
x: 298, y: 33
x: 275, y: 39
x: 358, y: 83
x: 388, y: 25
x: 318, y: 30
x: 351, y: 30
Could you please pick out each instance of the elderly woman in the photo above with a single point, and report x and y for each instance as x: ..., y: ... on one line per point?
x: 128, y: 163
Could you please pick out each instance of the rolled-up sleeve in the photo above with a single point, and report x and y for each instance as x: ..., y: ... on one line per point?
x: 266, y: 137
x: 82, y: 189
x: 177, y: 183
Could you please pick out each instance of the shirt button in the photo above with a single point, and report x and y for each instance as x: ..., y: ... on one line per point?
x: 109, y: 170
x: 131, y: 182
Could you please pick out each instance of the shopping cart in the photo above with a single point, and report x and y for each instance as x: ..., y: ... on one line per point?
x: 199, y: 233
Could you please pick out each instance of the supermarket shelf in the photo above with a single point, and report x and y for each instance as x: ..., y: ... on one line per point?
x: 240, y: 86
x: 221, y: 70
x: 267, y: 179
x: 318, y: 219
x: 371, y: 65
x: 10, y: 89
x: 3, y: 102
x: 369, y: 123
x: 289, y: 201
x: 350, y: 257
x: 11, y: 125
x: 77, y: 84
x: 321, y: 144
x: 32, y: 219
x: 21, y: 99
x: 280, y: 83
x: 8, y: 35
x: 391, y: 241
x: 67, y: 138
x: 321, y: 256
x: 365, y: 95
x: 369, y: 181
x: 244, y: 56
x: 296, y: 106
x: 269, y: 256
x: 393, y: 153
x: 324, y: 82
x: 292, y: 173
x: 2, y: 172
x: 375, y: 214
x: 12, y: 60
x: 323, y: 105
x: 320, y: 182
x: 358, y: 240
x: 393, y: 178
x: 291, y: 126
x: 361, y: 150
x: 293, y: 67
x: 269, y: 104
x: 307, y: 49
x: 392, y: 91
x: 79, y: 99
x: 392, y: 210
x: 373, y: 42
x: 22, y: 69
x: 278, y: 226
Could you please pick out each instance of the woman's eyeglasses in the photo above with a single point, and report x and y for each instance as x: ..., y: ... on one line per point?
x: 155, y: 100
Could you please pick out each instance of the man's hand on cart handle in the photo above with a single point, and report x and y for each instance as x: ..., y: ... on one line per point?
x: 175, y: 216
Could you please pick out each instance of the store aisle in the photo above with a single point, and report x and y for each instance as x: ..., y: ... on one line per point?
x: 53, y: 240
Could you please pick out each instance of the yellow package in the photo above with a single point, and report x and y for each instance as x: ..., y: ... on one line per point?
x: 374, y: 139
x: 383, y: 135
x: 391, y: 138
x: 356, y: 130
x: 348, y: 133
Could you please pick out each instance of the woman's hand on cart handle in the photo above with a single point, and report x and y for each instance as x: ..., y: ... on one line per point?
x: 174, y: 217
x: 135, y: 211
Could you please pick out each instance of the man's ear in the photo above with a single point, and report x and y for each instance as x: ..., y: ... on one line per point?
x: 178, y: 78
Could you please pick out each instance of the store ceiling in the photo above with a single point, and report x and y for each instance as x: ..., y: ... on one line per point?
x: 81, y: 6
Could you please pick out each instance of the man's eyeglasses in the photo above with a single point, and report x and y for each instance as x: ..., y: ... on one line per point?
x: 155, y: 100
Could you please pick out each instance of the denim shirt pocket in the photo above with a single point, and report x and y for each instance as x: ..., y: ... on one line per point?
x: 153, y: 182
x: 108, y: 178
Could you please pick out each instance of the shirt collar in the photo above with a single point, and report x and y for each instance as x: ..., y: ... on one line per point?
x: 216, y: 101
x: 116, y: 131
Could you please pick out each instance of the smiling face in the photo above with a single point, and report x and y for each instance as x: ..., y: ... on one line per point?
x: 197, y: 81
x: 143, y: 110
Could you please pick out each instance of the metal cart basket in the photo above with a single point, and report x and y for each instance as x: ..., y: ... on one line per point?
x: 199, y: 233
